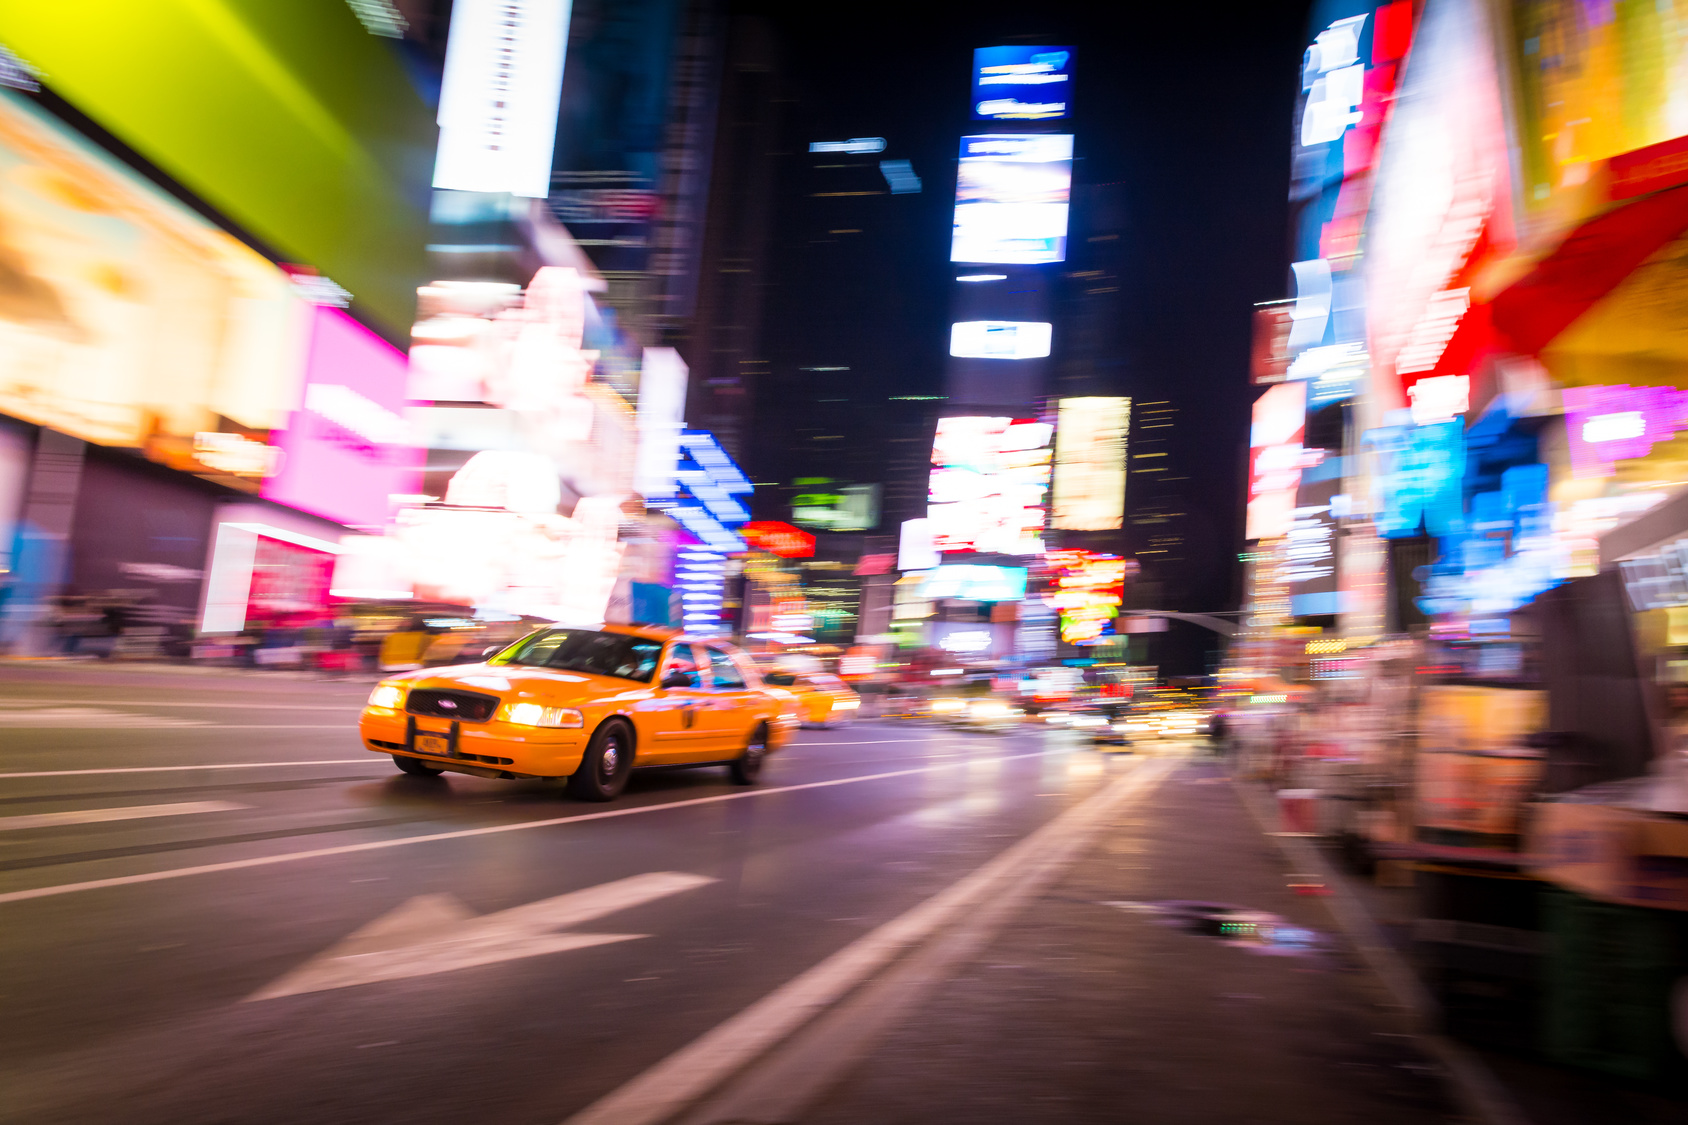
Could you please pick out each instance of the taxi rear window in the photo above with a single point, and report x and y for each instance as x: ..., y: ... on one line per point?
x: 587, y: 650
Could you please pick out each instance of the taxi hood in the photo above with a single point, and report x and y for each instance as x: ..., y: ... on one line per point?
x: 518, y: 681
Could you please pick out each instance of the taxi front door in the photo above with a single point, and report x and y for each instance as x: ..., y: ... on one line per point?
x: 670, y: 725
x: 729, y: 714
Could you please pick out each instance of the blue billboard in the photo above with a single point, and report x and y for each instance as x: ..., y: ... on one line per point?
x: 1022, y: 83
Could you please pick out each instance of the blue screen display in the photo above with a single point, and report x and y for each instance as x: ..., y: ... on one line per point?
x: 1022, y: 83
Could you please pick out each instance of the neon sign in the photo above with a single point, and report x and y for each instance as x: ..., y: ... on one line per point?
x: 1088, y: 590
x: 1606, y: 425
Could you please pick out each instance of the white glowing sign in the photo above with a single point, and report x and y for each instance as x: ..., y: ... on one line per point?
x: 999, y: 339
x: 1335, y: 81
x: 967, y: 641
x: 662, y: 413
x: 853, y: 145
x: 1621, y: 426
x: 1090, y: 463
x: 1011, y: 198
x: 989, y: 485
x: 498, y: 103
x: 1440, y: 398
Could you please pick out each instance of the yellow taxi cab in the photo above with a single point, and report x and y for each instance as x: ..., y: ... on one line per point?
x: 823, y: 699
x: 585, y: 705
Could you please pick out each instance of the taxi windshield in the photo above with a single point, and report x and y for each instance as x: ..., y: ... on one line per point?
x: 586, y: 650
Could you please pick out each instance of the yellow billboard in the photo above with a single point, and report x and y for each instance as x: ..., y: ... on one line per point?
x: 125, y: 316
x: 1090, y: 440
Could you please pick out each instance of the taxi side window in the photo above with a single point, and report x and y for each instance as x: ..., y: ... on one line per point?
x: 680, y: 660
x: 726, y: 675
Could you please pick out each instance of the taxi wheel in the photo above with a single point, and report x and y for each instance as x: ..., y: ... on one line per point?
x: 747, y: 767
x: 415, y: 767
x: 604, y: 768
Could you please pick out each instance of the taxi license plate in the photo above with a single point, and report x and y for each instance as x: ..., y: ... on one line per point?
x: 433, y: 744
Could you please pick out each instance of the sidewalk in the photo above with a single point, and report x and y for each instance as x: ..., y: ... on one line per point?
x: 1102, y: 1003
x: 179, y: 668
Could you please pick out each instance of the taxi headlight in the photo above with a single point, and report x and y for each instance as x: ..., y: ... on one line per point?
x: 946, y: 706
x: 846, y: 704
x: 387, y: 695
x: 535, y: 715
x: 990, y: 709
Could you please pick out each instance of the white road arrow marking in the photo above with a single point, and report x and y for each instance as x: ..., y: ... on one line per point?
x: 437, y: 934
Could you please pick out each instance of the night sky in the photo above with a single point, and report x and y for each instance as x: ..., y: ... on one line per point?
x: 1182, y: 114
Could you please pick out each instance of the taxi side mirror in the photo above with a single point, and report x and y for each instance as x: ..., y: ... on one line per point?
x: 676, y: 677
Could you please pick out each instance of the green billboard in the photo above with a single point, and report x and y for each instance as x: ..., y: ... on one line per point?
x: 289, y: 118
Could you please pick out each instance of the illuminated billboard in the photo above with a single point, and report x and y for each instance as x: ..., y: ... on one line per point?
x: 124, y: 316
x: 348, y: 448
x: 989, y: 485
x: 1090, y: 439
x: 967, y: 582
x: 288, y: 118
x: 1087, y: 589
x: 1000, y: 339
x: 1011, y: 197
x: 499, y: 98
x: 778, y: 538
x: 1276, y: 459
x: 1022, y: 83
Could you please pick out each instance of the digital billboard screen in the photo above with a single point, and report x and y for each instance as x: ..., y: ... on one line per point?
x: 1000, y: 339
x: 348, y: 448
x: 978, y: 583
x: 990, y: 485
x: 125, y: 318
x: 1011, y: 198
x: 1022, y: 83
x: 1090, y: 463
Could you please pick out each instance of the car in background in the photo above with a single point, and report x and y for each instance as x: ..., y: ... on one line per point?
x: 583, y: 706
x: 975, y: 712
x: 823, y: 699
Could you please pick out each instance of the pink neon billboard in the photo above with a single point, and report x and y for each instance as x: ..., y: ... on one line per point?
x: 347, y: 447
x: 1608, y: 424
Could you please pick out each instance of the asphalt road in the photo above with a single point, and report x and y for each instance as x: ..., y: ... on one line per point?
x: 215, y: 907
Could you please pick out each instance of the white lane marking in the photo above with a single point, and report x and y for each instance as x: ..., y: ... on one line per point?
x: 784, y: 1084
x: 877, y: 742
x: 28, y: 715
x: 371, y: 760
x: 348, y: 727
x: 437, y: 934
x: 698, y: 1068
x: 465, y: 833
x: 100, y: 816
x: 355, y: 706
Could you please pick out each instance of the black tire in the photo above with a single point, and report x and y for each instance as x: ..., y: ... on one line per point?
x: 415, y: 767
x: 607, y: 763
x: 747, y: 767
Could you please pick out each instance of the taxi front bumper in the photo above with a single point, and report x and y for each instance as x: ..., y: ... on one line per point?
x: 490, y: 749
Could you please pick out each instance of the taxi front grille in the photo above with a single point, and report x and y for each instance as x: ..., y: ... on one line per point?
x: 469, y: 706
